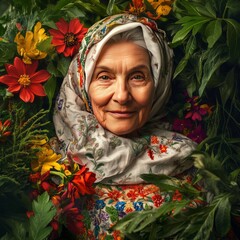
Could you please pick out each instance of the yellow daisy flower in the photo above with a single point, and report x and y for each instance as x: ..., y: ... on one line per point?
x: 27, y: 47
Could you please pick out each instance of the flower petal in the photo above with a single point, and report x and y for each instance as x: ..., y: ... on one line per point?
x: 61, y: 48
x: 40, y: 76
x: 26, y: 95
x: 75, y: 26
x: 62, y: 25
x: 14, y: 88
x: 56, y: 34
x: 31, y: 68
x: 8, y: 80
x: 37, y: 89
x: 20, y: 66
x: 12, y: 71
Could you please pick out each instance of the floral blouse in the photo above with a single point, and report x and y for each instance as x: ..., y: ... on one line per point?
x: 111, y: 203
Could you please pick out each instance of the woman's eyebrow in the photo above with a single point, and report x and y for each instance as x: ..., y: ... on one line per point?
x: 135, y: 68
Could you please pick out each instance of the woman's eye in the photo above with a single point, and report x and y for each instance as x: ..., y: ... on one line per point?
x: 103, y: 77
x: 138, y: 77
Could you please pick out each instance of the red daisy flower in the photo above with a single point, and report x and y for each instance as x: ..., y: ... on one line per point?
x: 68, y: 37
x: 24, y: 79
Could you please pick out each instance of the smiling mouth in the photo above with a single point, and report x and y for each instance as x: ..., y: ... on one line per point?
x: 121, y: 114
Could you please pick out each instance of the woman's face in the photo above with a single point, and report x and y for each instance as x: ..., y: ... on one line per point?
x: 121, y: 90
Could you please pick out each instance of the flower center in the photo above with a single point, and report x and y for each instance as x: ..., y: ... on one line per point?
x: 24, y: 80
x: 70, y: 39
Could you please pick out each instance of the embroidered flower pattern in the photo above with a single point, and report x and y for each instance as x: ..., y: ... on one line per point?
x: 111, y: 203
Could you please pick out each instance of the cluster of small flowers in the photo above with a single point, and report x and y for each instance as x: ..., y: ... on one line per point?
x: 191, y: 125
x: 154, y: 9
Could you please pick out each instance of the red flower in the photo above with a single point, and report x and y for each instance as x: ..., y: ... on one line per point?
x: 157, y: 200
x: 177, y: 196
x: 24, y: 79
x: 150, y: 154
x: 73, y: 221
x: 84, y: 180
x: 35, y: 177
x: 115, y: 195
x: 68, y: 37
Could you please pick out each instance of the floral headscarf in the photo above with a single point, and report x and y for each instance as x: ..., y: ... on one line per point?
x: 116, y: 159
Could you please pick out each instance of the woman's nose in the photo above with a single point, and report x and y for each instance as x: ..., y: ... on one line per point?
x: 122, y: 94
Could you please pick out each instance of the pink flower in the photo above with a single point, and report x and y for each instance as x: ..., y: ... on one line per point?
x: 196, y: 111
x: 182, y: 125
x: 198, y: 134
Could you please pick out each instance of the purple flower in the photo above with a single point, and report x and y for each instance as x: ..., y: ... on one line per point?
x: 103, y: 216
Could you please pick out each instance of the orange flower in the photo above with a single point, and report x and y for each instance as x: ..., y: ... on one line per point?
x: 137, y: 7
x: 4, y: 130
x: 68, y: 37
x: 24, y: 79
x: 154, y: 140
x: 163, y: 148
x: 161, y: 8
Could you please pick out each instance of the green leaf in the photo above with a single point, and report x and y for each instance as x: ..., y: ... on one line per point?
x: 223, y: 215
x: 206, y: 228
x: 44, y: 211
x: 190, y: 48
x: 45, y: 46
x: 110, y: 7
x: 63, y: 65
x: 228, y: 87
x: 188, y: 23
x: 50, y: 87
x: 233, y: 38
x: 216, y: 57
x: 213, y: 32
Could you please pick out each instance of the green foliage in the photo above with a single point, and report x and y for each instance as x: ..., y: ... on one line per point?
x: 15, y: 154
x: 38, y: 227
x: 205, y: 36
x: 179, y: 220
x: 44, y: 211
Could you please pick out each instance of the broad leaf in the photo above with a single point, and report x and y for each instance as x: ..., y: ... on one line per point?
x: 223, y: 216
x: 63, y: 65
x: 213, y: 32
x: 188, y: 23
x: 50, y: 87
x: 44, y: 211
x: 233, y: 38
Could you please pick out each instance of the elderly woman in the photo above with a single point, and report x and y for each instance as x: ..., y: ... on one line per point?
x: 108, y: 116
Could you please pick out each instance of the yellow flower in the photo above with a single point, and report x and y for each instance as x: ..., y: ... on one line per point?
x: 161, y: 7
x: 27, y: 47
x: 46, y: 159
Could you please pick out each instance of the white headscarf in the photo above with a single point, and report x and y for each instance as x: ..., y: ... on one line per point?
x: 115, y: 159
